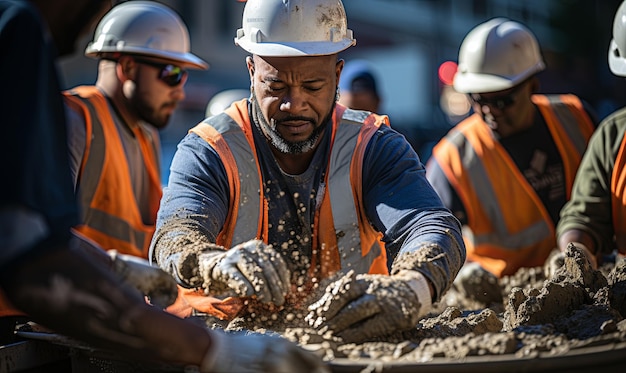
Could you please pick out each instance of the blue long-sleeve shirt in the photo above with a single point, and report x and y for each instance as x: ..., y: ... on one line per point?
x: 419, y: 232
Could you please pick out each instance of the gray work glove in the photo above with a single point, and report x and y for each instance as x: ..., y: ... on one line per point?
x: 248, y: 352
x: 158, y: 285
x: 478, y: 284
x: 250, y: 268
x: 359, y: 307
x: 556, y: 260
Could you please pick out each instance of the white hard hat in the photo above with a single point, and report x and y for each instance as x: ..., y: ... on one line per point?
x: 224, y: 99
x: 617, y: 49
x: 144, y: 28
x: 497, y: 55
x: 283, y: 28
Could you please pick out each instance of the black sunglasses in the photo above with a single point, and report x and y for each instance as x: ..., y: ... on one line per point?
x: 170, y: 74
x: 500, y: 102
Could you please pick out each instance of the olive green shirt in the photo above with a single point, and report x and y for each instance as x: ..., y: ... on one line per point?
x: 589, y: 208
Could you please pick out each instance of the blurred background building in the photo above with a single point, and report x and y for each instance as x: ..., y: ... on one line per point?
x: 413, y: 46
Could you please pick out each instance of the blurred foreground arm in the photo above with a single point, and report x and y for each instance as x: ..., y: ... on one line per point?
x: 65, y: 289
x: 68, y: 290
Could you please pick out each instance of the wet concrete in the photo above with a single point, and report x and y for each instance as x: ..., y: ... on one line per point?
x: 542, y: 316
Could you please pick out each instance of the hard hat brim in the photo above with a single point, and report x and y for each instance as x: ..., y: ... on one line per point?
x: 480, y: 83
x: 617, y: 64
x: 286, y: 49
x: 483, y: 83
x: 187, y: 60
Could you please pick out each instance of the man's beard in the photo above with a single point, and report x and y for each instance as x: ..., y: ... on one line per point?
x: 277, y: 140
x: 146, y: 112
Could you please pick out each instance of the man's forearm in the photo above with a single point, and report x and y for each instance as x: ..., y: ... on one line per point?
x: 66, y: 291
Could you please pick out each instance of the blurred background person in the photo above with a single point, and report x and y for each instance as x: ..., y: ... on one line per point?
x: 357, y: 87
x: 506, y: 171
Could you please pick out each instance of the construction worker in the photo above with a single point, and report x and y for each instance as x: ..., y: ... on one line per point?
x: 506, y: 171
x: 357, y: 88
x: 143, y: 53
x: 62, y: 282
x: 594, y: 218
x: 287, y: 188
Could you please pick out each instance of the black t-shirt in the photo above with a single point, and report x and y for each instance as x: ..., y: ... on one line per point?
x: 538, y: 159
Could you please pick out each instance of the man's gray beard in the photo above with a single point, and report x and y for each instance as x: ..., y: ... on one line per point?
x: 277, y: 140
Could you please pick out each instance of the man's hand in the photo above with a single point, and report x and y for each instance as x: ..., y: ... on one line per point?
x: 361, y: 307
x: 250, y: 268
x: 159, y: 286
x: 478, y: 284
x: 247, y: 352
x: 556, y: 260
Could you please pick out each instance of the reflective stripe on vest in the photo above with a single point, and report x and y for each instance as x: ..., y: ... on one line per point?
x: 245, y: 166
x: 113, y: 223
x: 571, y: 130
x: 618, y: 198
x: 342, y: 199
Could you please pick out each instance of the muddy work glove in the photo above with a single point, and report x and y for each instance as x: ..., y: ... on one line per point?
x: 158, y: 285
x: 361, y: 307
x: 248, y: 269
x: 248, y: 352
x: 556, y: 259
x: 479, y: 285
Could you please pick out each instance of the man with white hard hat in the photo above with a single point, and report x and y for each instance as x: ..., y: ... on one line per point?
x: 286, y: 189
x: 143, y: 53
x: 507, y: 170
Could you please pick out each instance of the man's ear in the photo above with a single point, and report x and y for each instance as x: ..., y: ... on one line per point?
x: 126, y: 68
x: 339, y: 68
x: 250, y: 65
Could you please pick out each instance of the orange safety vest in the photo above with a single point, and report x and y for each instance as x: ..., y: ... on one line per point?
x: 508, y: 227
x: 109, y: 212
x: 618, y: 198
x: 340, y: 224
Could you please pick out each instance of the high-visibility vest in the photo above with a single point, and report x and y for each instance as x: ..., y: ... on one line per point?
x: 110, y: 215
x: 340, y: 224
x: 508, y: 227
x: 618, y: 198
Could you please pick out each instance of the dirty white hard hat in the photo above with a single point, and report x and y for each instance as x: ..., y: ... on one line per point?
x: 617, y: 48
x: 283, y: 28
x: 144, y: 28
x: 497, y: 55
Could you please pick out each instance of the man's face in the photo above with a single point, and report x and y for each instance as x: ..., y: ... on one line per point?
x: 296, y: 96
x: 506, y: 112
x: 151, y: 97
